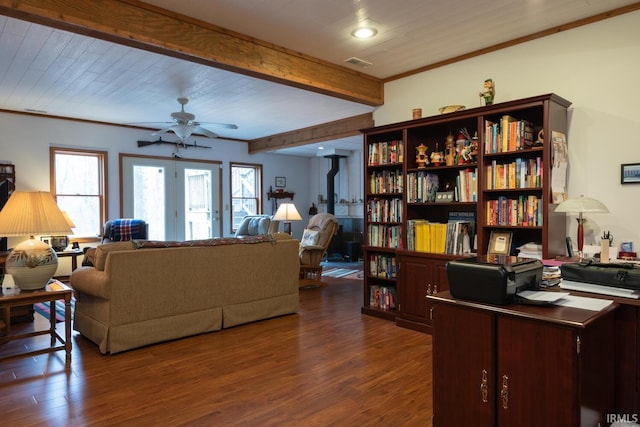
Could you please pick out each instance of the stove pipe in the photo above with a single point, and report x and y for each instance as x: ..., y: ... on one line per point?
x: 335, y: 167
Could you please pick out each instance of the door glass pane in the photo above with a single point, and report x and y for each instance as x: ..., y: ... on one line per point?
x: 149, y: 198
x: 197, y: 203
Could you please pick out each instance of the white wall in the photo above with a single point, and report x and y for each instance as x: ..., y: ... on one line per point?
x: 25, y: 141
x: 596, y: 67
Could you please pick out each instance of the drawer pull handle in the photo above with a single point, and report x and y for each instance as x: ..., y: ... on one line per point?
x: 484, y: 386
x: 505, y: 392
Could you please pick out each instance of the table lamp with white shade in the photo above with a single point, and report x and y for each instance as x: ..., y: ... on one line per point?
x: 32, y: 263
x: 581, y: 205
x: 287, y: 212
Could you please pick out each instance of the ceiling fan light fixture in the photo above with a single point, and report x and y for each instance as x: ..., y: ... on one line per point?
x: 183, y: 131
x: 364, y: 33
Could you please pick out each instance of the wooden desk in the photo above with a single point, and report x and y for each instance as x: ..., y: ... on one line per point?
x: 521, y: 365
x: 56, y: 290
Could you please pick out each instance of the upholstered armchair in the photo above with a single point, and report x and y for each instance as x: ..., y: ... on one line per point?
x: 313, y: 246
x: 118, y: 230
x: 256, y: 225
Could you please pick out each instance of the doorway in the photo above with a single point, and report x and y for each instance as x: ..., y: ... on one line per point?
x: 180, y: 199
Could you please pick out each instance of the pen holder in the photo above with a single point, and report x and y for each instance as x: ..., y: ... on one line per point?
x: 604, y: 250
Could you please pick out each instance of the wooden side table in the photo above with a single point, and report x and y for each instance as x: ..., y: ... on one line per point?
x: 18, y: 314
x: 56, y: 290
x: 74, y: 254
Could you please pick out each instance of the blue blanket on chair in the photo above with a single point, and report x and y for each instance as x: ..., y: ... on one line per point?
x: 126, y: 229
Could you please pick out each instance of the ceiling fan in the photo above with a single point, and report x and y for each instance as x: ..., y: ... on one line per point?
x: 184, y: 124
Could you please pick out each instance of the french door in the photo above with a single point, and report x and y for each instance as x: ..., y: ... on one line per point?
x: 179, y: 199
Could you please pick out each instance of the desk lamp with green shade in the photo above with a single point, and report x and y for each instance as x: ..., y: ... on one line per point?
x: 32, y: 263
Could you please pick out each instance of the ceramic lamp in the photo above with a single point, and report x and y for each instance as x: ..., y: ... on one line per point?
x: 32, y: 263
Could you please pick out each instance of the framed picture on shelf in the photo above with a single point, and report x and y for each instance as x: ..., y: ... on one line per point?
x: 630, y: 173
x: 281, y: 181
x: 500, y: 243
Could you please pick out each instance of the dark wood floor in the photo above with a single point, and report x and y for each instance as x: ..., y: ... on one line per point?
x: 326, y: 366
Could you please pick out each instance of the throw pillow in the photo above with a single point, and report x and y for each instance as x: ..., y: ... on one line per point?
x: 309, y: 237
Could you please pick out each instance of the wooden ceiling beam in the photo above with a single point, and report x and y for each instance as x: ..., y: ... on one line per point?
x: 326, y: 132
x: 137, y: 24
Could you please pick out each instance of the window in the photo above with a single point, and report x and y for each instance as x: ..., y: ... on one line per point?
x: 79, y: 185
x: 246, y: 188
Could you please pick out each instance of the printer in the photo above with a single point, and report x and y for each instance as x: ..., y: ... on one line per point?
x: 493, y: 279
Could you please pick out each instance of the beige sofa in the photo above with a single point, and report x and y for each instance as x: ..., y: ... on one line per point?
x: 133, y: 296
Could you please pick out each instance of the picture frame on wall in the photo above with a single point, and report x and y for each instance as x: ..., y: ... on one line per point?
x: 500, y: 243
x: 281, y: 182
x: 630, y: 173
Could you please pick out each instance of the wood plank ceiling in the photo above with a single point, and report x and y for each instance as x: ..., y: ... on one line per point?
x: 274, y: 67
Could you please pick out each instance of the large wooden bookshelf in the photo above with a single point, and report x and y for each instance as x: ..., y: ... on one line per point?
x: 503, y: 185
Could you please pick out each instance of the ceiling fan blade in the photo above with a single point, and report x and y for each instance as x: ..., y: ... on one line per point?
x: 206, y: 132
x: 163, y: 130
x: 222, y: 125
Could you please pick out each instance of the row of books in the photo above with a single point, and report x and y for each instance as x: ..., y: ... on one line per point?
x: 422, y: 187
x: 467, y: 185
x: 521, y: 211
x: 386, y: 153
x: 383, y: 266
x: 521, y: 173
x: 385, y: 236
x: 382, y: 297
x: 386, y: 181
x: 508, y: 134
x: 454, y: 237
x: 384, y: 210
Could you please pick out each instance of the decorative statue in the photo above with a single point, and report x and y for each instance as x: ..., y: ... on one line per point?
x: 437, y: 157
x: 450, y: 150
x: 488, y: 91
x: 462, y: 149
x: 421, y: 158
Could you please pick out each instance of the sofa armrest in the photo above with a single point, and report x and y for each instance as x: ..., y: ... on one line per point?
x: 90, y: 280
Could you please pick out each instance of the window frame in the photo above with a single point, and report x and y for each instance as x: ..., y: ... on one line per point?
x: 259, y: 184
x: 102, y: 157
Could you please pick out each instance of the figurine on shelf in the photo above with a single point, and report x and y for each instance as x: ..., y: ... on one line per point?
x: 437, y: 157
x: 474, y: 146
x: 421, y: 158
x: 462, y: 151
x: 488, y: 91
x: 450, y: 150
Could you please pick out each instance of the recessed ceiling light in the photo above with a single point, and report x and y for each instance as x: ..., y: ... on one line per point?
x: 364, y: 32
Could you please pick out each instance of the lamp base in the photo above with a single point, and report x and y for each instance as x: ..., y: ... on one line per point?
x: 32, y: 263
x: 287, y: 227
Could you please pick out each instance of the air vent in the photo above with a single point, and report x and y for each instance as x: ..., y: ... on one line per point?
x: 357, y: 61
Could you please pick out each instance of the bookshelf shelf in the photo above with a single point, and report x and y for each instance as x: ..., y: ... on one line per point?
x: 496, y: 177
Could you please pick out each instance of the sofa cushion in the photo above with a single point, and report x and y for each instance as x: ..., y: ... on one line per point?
x: 103, y: 250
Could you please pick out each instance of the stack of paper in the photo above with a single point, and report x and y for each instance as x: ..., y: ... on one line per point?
x: 565, y: 299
